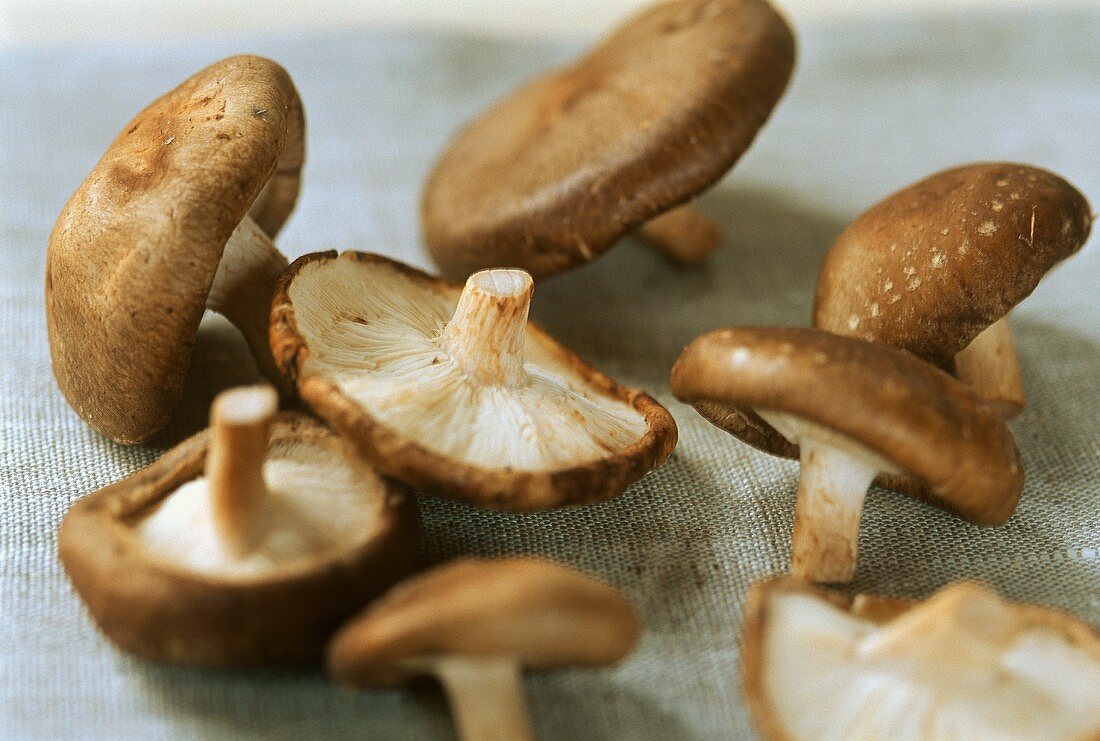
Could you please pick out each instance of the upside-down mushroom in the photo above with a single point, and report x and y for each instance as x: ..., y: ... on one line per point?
x: 555, y: 173
x: 853, y: 412
x: 450, y: 390
x: 475, y: 625
x: 246, y: 545
x: 935, y: 268
x: 962, y: 664
x: 176, y: 218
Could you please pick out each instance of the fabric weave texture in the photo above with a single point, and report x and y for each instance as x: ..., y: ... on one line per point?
x: 876, y: 104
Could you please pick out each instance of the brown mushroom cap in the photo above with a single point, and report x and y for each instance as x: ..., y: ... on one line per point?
x: 964, y: 662
x: 184, y: 606
x: 930, y: 267
x: 538, y: 613
x: 363, y: 338
x: 134, y: 253
x: 555, y: 173
x: 886, y: 401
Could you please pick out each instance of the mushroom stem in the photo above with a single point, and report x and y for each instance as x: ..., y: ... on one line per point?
x: 242, y: 290
x: 990, y: 366
x: 486, y: 333
x: 486, y: 697
x: 831, y: 489
x: 241, y: 421
x: 683, y: 235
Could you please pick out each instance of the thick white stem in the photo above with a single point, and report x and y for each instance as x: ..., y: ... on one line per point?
x: 487, y: 331
x: 683, y: 235
x: 242, y: 290
x: 241, y: 425
x: 990, y: 366
x: 486, y: 697
x: 831, y: 488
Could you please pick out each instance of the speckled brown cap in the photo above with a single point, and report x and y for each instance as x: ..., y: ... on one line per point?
x: 930, y: 267
x: 368, y: 343
x: 955, y: 452
x: 133, y: 255
x: 539, y: 613
x: 555, y: 173
x: 150, y: 602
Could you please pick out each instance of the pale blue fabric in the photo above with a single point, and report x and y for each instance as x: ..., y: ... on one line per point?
x: 875, y: 105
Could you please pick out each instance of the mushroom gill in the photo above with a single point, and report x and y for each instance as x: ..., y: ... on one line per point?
x: 460, y: 379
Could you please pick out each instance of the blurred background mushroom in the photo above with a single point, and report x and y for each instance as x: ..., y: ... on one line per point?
x: 244, y: 546
x: 963, y: 663
x: 176, y: 218
x: 555, y: 173
x: 476, y: 625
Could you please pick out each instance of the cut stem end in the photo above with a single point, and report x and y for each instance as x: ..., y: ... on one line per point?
x: 486, y: 334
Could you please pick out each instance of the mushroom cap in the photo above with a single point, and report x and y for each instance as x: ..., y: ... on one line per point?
x: 359, y: 335
x: 552, y: 175
x: 933, y: 265
x: 540, y: 613
x: 134, y: 252
x: 876, y: 398
x: 173, y: 602
x: 963, y: 664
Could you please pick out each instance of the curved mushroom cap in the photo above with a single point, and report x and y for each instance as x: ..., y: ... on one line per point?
x: 539, y: 613
x: 962, y: 664
x: 552, y: 175
x: 363, y: 337
x: 144, y: 556
x: 872, y: 397
x: 134, y: 253
x: 930, y: 267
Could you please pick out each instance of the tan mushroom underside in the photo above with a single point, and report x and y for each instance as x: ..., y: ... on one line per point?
x: 379, y: 337
x: 143, y: 570
x: 964, y: 664
x: 316, y: 505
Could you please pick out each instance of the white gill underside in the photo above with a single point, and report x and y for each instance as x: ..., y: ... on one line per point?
x: 316, y: 504
x: 822, y: 687
x: 375, y: 334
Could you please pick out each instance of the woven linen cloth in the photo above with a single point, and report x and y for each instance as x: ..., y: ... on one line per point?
x: 875, y: 104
